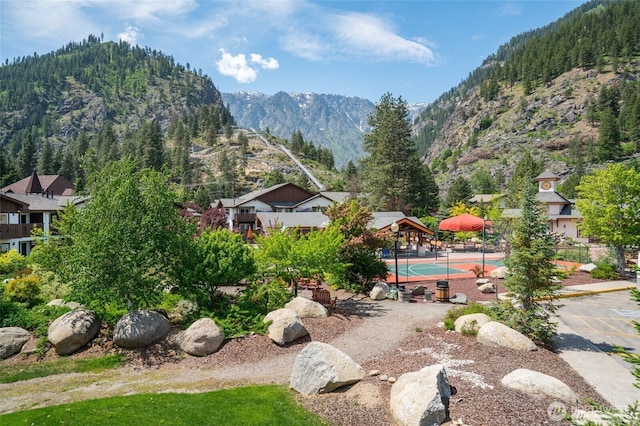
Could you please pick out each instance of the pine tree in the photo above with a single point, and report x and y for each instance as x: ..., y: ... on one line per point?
x: 390, y: 169
x: 460, y: 191
x: 608, y: 146
x: 45, y: 164
x: 26, y: 161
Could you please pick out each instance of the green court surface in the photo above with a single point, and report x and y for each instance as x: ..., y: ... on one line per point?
x: 427, y: 269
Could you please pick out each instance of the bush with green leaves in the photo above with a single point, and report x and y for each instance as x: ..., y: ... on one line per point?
x: 605, y: 271
x: 472, y: 308
x: 11, y: 262
x: 24, y: 289
x: 534, y: 323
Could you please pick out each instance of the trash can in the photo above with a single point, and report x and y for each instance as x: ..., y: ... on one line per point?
x: 442, y: 291
x: 427, y: 295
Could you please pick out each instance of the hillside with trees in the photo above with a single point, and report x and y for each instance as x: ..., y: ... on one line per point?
x: 73, y: 110
x: 566, y: 94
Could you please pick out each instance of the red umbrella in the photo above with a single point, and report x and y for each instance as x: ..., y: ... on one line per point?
x: 464, y: 222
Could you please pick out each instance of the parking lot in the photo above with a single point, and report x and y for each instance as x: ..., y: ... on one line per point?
x: 605, y: 320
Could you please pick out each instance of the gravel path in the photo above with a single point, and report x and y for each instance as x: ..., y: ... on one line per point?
x: 368, y: 330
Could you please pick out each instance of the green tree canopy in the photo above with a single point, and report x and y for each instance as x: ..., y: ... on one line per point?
x: 219, y: 258
x: 392, y: 174
x: 128, y: 241
x: 609, y: 201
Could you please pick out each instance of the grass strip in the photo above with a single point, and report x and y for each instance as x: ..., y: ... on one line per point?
x: 15, y: 373
x: 253, y: 405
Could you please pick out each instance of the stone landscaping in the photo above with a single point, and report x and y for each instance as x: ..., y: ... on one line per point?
x: 453, y: 374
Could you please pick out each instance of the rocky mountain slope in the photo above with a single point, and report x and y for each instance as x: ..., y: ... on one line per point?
x: 329, y: 121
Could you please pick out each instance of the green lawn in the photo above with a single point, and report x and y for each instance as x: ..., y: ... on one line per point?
x: 255, y: 405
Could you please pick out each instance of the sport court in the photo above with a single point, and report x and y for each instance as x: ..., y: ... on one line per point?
x: 446, y: 266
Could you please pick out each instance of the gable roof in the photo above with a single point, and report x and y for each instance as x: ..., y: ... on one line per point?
x: 34, y: 184
x: 282, y: 195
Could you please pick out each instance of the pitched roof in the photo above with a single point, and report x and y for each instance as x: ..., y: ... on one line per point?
x: 547, y: 175
x: 35, y: 184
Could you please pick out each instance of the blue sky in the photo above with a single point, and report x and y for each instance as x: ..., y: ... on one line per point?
x: 414, y: 49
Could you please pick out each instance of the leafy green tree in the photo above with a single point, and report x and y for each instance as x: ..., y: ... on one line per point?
x: 609, y: 202
x: 531, y: 267
x: 391, y: 172
x: 219, y: 258
x: 128, y: 241
x: 358, y: 251
x: 285, y: 254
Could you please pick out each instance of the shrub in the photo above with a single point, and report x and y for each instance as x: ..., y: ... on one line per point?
x: 604, y: 271
x: 472, y: 308
x: 534, y: 323
x: 24, y: 289
x: 12, y: 261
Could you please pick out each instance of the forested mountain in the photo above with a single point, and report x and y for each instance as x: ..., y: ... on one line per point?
x: 329, y: 121
x: 567, y: 94
x: 71, y: 111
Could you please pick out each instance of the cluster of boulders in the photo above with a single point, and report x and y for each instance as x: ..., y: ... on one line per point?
x: 422, y: 397
x: 417, y: 398
x: 137, y: 329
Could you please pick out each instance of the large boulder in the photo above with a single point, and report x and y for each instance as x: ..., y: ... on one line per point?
x: 73, y: 330
x: 421, y: 397
x: 138, y: 329
x: 12, y: 339
x: 306, y: 308
x: 497, y: 334
x: 379, y: 291
x: 286, y: 326
x: 498, y: 272
x: 202, y: 338
x: 471, y: 322
x: 540, y: 385
x: 321, y: 368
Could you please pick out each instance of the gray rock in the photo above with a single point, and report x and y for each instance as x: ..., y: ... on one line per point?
x: 487, y: 288
x: 138, y: 329
x: 418, y: 291
x: 379, y: 291
x: 12, y: 339
x: 587, y: 267
x: 421, y: 397
x: 321, y: 368
x: 481, y: 281
x: 494, y: 333
x: 471, y: 321
x: 459, y: 298
x: 286, y: 326
x: 202, y: 338
x: 539, y: 385
x: 498, y: 272
x: 73, y: 330
x: 306, y: 308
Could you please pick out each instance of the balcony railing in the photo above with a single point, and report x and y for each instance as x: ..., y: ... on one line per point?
x: 17, y: 231
x: 245, y: 218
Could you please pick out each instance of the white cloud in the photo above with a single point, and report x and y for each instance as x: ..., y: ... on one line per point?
x: 267, y: 64
x: 240, y: 69
x: 131, y: 35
